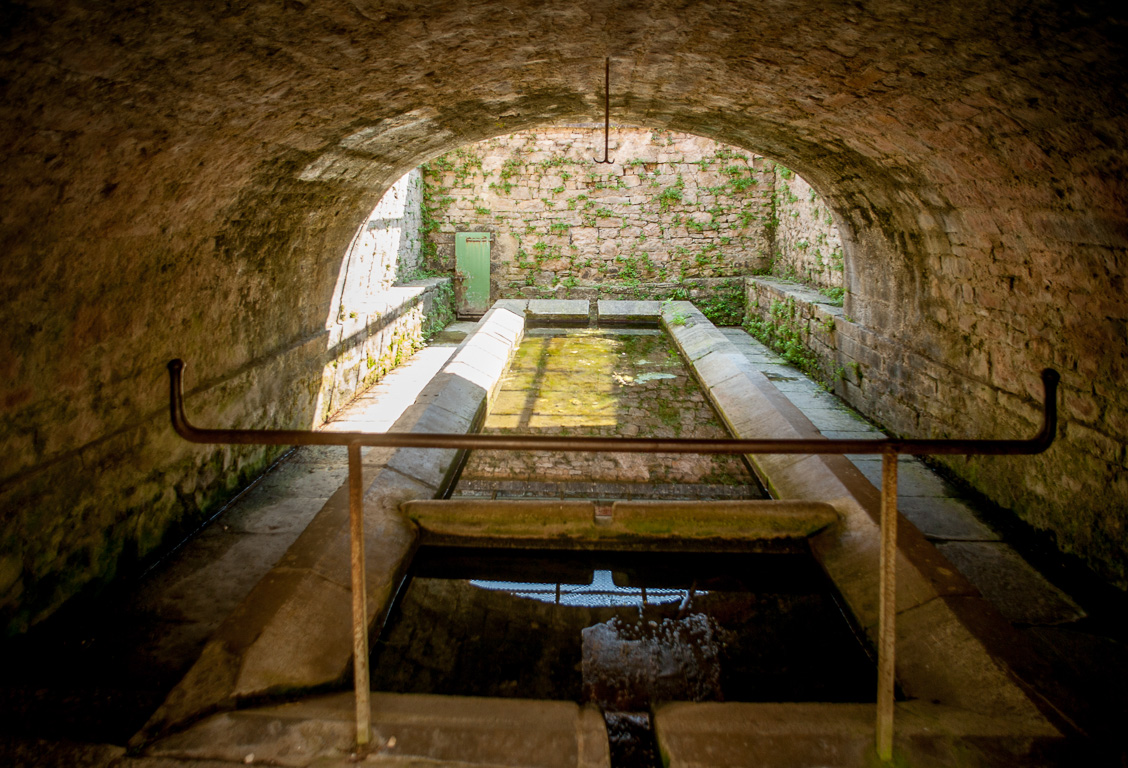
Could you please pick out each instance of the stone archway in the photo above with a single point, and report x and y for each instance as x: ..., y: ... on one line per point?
x: 182, y: 179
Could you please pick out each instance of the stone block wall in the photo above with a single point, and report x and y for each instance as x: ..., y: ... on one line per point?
x: 909, y: 394
x: 806, y: 245
x: 94, y: 482
x: 672, y: 207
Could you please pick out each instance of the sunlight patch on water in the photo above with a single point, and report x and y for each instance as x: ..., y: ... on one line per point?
x: 602, y: 591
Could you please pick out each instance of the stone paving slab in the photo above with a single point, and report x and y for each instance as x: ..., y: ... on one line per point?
x: 558, y: 312
x: 945, y: 519
x: 830, y: 418
x: 1023, y: 595
x: 613, y: 312
x: 727, y: 735
x: 434, y: 730
x: 637, y: 521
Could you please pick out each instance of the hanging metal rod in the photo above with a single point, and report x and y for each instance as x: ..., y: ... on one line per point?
x: 606, y: 112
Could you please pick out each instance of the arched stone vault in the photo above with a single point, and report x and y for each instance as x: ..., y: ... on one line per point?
x: 183, y: 178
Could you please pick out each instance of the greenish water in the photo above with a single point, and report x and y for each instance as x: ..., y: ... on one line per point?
x: 607, y: 383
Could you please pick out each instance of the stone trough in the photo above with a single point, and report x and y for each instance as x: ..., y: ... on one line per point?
x: 290, y: 636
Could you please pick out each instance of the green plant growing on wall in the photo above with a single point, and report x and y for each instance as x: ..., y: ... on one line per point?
x: 671, y: 195
x: 836, y: 295
x: 782, y: 332
x: 724, y: 304
x: 442, y: 311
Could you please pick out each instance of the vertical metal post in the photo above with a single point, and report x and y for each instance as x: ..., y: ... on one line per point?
x: 887, y: 608
x: 359, y: 597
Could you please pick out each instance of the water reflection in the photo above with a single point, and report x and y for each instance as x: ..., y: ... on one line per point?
x: 601, y: 592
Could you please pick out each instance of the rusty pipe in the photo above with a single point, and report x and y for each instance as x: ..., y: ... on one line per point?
x: 1040, y: 442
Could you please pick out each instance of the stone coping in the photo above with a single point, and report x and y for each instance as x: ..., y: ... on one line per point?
x: 798, y: 291
x: 950, y: 641
x: 407, y: 729
x: 621, y: 525
x: 557, y: 312
x: 784, y: 735
x: 277, y: 640
x: 612, y: 312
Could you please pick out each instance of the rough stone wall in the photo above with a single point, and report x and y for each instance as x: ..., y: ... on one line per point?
x: 805, y: 244
x: 380, y: 313
x: 94, y: 482
x: 671, y: 207
x: 183, y: 179
x: 872, y: 372
x: 387, y: 248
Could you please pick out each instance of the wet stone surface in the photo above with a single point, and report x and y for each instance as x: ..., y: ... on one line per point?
x: 621, y: 383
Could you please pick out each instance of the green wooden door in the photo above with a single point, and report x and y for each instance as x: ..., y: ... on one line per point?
x: 472, y: 262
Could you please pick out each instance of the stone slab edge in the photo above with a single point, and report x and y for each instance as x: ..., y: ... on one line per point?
x: 727, y: 734
x: 267, y: 646
x: 436, y: 730
x: 950, y: 646
x: 549, y: 312
x: 618, y: 312
x: 463, y: 522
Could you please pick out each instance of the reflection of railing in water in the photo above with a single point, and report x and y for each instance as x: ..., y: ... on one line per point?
x: 888, y: 448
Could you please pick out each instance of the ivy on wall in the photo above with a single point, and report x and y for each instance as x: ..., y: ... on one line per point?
x: 676, y: 217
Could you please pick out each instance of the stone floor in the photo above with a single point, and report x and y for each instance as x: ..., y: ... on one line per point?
x: 72, y: 692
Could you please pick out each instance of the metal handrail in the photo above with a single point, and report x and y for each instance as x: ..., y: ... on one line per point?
x: 820, y: 445
x: 888, y: 448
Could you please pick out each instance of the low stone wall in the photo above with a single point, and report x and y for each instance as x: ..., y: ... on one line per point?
x: 363, y: 347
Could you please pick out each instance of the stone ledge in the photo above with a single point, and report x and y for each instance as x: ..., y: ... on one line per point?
x: 612, y: 312
x: 427, y: 729
x: 557, y: 312
x: 736, y: 734
x: 464, y: 522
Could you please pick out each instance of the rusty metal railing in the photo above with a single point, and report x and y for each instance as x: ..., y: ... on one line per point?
x: 888, y: 448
